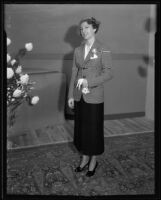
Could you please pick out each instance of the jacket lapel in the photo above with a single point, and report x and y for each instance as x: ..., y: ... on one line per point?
x: 82, y: 51
x: 94, y: 46
x: 81, y: 54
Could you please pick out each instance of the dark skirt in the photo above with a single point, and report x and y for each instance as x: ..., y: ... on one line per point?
x: 89, y: 127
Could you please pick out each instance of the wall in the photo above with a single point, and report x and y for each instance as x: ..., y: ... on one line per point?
x: 53, y: 31
x: 149, y: 106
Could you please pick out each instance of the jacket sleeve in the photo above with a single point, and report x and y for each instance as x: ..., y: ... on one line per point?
x: 73, y: 77
x: 106, y: 73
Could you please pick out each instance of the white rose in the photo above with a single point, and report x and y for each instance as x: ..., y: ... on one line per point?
x: 29, y: 46
x: 85, y: 90
x: 8, y: 57
x: 24, y: 79
x: 34, y: 100
x: 10, y: 72
x: 19, y: 69
x: 13, y: 62
x: 8, y: 41
x: 17, y: 93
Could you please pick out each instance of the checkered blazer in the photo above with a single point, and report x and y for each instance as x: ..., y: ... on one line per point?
x: 96, y: 68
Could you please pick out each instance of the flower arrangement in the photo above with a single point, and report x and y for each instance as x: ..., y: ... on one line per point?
x: 18, y: 84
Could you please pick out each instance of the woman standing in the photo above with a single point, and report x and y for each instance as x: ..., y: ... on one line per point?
x: 91, y: 68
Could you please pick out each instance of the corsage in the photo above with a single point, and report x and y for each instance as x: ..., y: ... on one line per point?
x: 94, y: 51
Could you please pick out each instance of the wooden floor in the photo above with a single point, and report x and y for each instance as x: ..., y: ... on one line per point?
x: 59, y: 133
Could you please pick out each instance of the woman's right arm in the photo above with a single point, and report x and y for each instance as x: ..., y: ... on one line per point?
x: 73, y: 77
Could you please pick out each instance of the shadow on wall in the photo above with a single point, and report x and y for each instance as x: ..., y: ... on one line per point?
x: 73, y: 38
x: 149, y: 26
x: 148, y: 61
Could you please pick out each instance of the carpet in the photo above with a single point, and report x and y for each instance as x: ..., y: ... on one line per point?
x: 125, y: 168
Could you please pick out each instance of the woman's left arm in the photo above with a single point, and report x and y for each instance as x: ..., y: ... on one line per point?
x: 106, y: 70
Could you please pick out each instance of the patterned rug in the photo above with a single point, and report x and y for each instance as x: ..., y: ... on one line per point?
x: 126, y: 167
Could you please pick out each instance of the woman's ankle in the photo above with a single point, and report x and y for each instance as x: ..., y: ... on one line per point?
x: 92, y: 163
x: 85, y: 159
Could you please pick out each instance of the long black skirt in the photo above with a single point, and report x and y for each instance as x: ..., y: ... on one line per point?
x: 89, y: 127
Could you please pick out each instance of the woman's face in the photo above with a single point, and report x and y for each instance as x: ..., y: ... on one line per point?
x: 87, y: 30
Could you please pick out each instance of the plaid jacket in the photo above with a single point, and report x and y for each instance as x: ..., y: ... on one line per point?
x: 96, y: 68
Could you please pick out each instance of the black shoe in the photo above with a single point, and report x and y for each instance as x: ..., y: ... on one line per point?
x: 80, y: 169
x: 91, y: 173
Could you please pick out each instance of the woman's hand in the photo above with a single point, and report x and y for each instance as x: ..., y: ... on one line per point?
x: 82, y: 82
x: 71, y: 103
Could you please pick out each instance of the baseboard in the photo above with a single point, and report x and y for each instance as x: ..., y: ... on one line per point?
x: 124, y: 115
x: 114, y: 116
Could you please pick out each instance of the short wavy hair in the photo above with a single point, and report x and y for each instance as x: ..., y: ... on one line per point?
x: 95, y: 24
